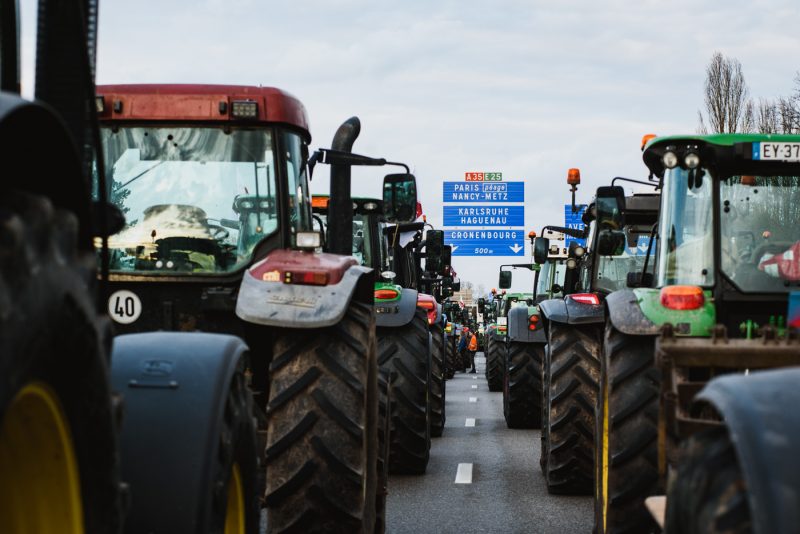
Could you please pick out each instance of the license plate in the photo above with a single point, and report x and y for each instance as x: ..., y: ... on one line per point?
x: 781, y: 151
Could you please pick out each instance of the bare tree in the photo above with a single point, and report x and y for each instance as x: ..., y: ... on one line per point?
x: 726, y: 97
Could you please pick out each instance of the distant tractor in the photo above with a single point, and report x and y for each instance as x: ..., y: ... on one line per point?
x: 574, y: 325
x: 682, y: 407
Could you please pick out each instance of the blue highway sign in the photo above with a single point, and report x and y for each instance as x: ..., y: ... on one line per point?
x: 483, y: 191
x: 484, y: 216
x: 573, y: 220
x: 486, y: 242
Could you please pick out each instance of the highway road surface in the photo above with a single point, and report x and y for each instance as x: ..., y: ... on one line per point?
x: 482, y: 476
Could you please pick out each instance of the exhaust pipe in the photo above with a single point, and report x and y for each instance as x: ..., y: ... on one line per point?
x: 340, y: 206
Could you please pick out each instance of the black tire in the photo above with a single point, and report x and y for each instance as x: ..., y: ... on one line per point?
x: 322, y: 434
x: 50, y: 335
x: 573, y: 371
x: 495, y: 365
x: 404, y: 351
x: 437, y: 392
x: 709, y: 493
x: 384, y: 429
x: 629, y: 392
x: 450, y: 358
x: 522, y: 385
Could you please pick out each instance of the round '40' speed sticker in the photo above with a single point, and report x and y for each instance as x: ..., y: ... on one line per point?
x: 124, y: 306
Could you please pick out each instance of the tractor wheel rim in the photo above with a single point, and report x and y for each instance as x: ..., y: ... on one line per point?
x: 40, y: 487
x: 234, y: 514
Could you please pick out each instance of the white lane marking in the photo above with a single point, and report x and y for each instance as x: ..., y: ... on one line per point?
x: 470, y: 421
x: 474, y: 377
x: 473, y: 399
x: 464, y: 474
x: 475, y: 386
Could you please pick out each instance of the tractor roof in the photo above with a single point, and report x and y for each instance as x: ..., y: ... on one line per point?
x: 206, y: 103
x: 727, y: 153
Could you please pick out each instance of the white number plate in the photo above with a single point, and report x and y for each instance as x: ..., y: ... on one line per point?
x: 502, y: 321
x: 770, y: 151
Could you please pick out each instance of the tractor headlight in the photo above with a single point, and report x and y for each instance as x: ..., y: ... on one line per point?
x: 669, y: 159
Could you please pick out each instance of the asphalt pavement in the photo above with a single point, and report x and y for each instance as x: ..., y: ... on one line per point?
x: 482, y: 478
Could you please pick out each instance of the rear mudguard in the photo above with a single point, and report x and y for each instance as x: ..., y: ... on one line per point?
x: 266, y: 300
x: 518, y: 327
x: 175, y: 387
x: 760, y: 412
x: 399, y: 312
x: 568, y: 311
x: 626, y: 315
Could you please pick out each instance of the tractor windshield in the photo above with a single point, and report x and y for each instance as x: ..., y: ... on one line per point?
x: 552, y: 272
x: 760, y: 232
x: 685, y: 252
x: 612, y: 271
x: 196, y: 200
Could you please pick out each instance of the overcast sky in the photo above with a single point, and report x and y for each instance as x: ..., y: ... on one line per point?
x: 527, y: 88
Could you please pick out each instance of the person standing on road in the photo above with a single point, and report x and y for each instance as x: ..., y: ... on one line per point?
x: 462, y: 346
x: 473, y: 348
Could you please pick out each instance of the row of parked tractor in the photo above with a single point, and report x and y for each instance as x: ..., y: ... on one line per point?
x: 188, y: 336
x: 655, y: 351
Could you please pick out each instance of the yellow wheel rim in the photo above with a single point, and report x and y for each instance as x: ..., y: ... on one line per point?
x: 604, y: 460
x: 40, y: 487
x: 234, y: 515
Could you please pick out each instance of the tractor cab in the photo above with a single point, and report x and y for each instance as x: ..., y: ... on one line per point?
x: 729, y: 226
x: 204, y: 175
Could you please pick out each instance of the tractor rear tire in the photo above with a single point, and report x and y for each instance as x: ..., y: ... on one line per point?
x: 450, y: 358
x: 322, y: 435
x: 384, y: 428
x: 573, y: 371
x: 709, y: 493
x: 54, y: 364
x: 495, y: 365
x: 522, y: 388
x: 405, y: 352
x: 626, y: 433
x: 437, y: 393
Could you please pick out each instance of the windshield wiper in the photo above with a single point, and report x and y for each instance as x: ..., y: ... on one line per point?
x: 126, y: 184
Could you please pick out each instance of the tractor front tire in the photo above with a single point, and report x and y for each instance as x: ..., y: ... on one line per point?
x: 322, y: 436
x: 626, y: 434
x: 573, y: 370
x: 709, y: 493
x: 450, y: 358
x: 495, y: 365
x: 384, y: 429
x: 437, y: 393
x: 57, y: 417
x: 404, y: 351
x: 522, y: 388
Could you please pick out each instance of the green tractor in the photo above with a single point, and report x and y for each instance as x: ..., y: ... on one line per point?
x: 681, y: 407
x: 574, y: 325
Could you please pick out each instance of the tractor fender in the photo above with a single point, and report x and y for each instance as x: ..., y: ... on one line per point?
x: 554, y: 310
x: 518, y: 327
x: 399, y: 312
x: 626, y: 315
x: 274, y: 303
x: 580, y: 313
x: 764, y: 427
x: 175, y: 387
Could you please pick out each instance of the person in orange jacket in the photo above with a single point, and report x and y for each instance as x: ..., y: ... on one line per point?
x: 472, y: 348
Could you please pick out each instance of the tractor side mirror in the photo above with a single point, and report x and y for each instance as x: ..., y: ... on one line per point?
x: 434, y: 251
x: 610, y: 242
x: 447, y: 258
x: 540, y: 249
x: 455, y: 287
x: 481, y: 304
x: 505, y: 280
x: 609, y: 206
x: 400, y: 198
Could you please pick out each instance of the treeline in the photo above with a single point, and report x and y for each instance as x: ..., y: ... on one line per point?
x: 729, y: 108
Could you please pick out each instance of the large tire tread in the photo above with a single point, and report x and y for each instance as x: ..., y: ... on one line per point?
x: 494, y: 364
x: 522, y: 390
x: 322, y: 428
x: 573, y: 371
x: 631, y: 382
x: 437, y: 392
